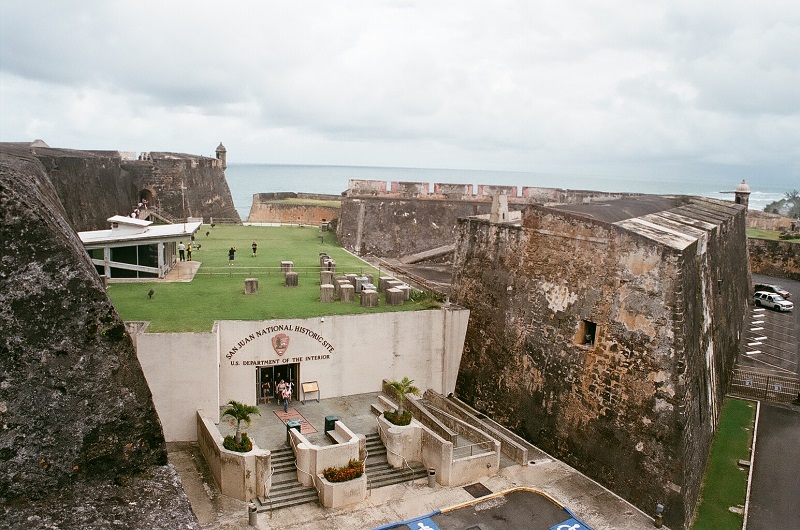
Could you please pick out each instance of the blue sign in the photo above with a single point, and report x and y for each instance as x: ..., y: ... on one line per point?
x: 569, y: 524
x: 423, y: 524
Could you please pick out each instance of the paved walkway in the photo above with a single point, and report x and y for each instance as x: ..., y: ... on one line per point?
x: 590, y: 502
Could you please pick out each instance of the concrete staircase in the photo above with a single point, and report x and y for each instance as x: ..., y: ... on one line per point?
x: 286, y: 490
x: 380, y: 473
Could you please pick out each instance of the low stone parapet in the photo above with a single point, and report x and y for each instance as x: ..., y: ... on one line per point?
x: 242, y: 476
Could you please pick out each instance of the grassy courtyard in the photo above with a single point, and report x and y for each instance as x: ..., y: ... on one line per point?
x: 217, y: 291
x: 725, y: 483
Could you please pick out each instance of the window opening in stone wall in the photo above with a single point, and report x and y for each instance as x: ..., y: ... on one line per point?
x: 587, y: 331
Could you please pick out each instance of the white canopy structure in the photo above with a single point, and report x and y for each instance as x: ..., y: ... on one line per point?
x: 135, y: 248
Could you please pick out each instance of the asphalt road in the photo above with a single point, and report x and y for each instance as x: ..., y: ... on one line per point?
x: 775, y: 489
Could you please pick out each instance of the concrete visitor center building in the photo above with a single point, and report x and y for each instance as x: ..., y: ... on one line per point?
x: 325, y: 357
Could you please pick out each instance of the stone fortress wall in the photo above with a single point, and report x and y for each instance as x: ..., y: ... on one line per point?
x: 95, y: 185
x: 79, y: 425
x: 635, y: 407
x: 393, y: 219
x: 295, y: 208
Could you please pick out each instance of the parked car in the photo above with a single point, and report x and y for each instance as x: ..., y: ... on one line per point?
x: 772, y: 288
x: 773, y: 301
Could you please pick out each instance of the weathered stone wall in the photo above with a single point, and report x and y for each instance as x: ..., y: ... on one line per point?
x: 90, y: 186
x: 267, y: 208
x: 393, y: 219
x: 79, y: 425
x: 394, y: 227
x: 775, y: 258
x: 770, y: 221
x: 181, y: 183
x: 631, y: 409
x: 95, y: 185
x: 711, y: 307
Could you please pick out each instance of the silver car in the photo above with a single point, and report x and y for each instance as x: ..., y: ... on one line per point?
x: 773, y: 301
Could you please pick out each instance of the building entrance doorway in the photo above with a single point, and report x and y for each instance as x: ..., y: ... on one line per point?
x: 272, y: 375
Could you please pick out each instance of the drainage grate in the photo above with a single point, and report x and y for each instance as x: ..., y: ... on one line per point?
x: 477, y: 490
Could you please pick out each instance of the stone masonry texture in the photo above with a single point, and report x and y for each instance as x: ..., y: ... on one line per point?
x: 95, y: 185
x: 81, y: 445
x: 636, y: 408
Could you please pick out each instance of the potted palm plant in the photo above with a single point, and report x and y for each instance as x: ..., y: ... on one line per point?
x: 402, y: 388
x: 241, y: 413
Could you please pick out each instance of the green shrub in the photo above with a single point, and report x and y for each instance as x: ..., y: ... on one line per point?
x: 353, y: 469
x: 230, y: 444
x: 398, y: 419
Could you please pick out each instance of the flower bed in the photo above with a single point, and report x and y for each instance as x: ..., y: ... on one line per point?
x: 245, y: 446
x: 352, y: 470
x: 398, y: 419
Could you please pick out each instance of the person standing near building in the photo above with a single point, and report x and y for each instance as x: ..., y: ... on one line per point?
x: 279, y: 388
x: 265, y: 392
x: 182, y: 251
x: 189, y: 252
x: 231, y: 255
x: 287, y: 395
x: 255, y: 247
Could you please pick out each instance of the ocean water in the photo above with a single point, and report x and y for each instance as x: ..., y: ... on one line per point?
x: 245, y: 180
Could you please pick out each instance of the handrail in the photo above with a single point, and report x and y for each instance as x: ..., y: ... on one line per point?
x: 313, y: 477
x: 463, y: 448
x: 267, y: 496
x: 419, y: 280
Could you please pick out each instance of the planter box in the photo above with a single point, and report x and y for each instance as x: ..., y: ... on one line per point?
x: 338, y: 494
x: 403, y: 442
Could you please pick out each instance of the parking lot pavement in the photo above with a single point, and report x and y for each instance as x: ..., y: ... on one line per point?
x: 776, y: 469
x: 771, y: 342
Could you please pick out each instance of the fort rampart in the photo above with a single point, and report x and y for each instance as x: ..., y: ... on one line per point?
x: 295, y: 208
x: 603, y: 348
x: 393, y: 219
x: 95, y: 185
x: 775, y: 258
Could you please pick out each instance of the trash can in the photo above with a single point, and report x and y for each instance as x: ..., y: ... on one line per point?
x: 291, y: 424
x: 252, y: 515
x: 431, y: 478
x: 330, y: 423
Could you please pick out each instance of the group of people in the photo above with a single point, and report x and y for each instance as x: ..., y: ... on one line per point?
x: 184, y: 251
x: 139, y: 207
x: 232, y: 252
x: 283, y: 392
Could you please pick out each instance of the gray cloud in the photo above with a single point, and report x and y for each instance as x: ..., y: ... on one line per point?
x: 505, y: 85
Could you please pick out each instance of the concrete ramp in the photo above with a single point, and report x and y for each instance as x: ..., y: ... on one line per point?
x: 428, y: 254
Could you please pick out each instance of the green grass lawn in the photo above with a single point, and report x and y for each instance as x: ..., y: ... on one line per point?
x: 725, y: 483
x: 217, y: 291
x: 760, y: 233
x: 774, y: 235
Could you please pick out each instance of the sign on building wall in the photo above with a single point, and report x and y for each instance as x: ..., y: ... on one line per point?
x: 277, y: 344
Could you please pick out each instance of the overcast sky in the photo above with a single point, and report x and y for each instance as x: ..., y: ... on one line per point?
x: 605, y: 87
